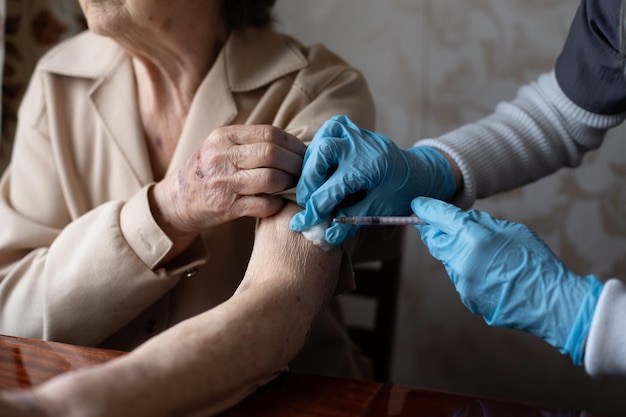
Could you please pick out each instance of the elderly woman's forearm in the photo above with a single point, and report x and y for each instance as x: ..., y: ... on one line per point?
x: 209, y: 362
x: 214, y: 360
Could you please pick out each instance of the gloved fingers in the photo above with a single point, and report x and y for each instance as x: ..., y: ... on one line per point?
x: 487, y: 220
x: 304, y: 220
x: 340, y: 121
x: 322, y: 157
x: 431, y: 231
x: 377, y: 144
x: 320, y: 161
x: 325, y: 200
x: 444, y: 216
x: 362, y: 202
x: 449, y: 230
x: 437, y: 242
x: 514, y: 231
x: 520, y: 230
x: 335, y: 126
x: 337, y: 233
x: 317, y: 209
x: 451, y: 220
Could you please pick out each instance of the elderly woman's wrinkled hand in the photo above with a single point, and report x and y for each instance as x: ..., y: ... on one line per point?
x: 232, y: 175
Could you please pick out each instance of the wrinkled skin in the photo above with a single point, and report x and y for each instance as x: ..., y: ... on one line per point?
x: 232, y: 175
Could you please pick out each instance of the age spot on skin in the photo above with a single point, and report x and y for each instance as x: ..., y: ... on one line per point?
x: 199, y: 172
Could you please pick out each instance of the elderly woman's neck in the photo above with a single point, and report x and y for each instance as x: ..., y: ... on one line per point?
x: 167, y: 79
x: 174, y: 70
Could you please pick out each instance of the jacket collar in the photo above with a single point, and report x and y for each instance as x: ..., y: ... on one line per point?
x: 250, y: 60
x: 247, y: 61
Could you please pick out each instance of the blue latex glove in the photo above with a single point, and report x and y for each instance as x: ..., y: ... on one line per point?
x: 343, y: 160
x: 506, y: 273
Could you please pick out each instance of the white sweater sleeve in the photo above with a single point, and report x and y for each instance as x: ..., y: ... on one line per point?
x: 605, y: 350
x: 532, y: 136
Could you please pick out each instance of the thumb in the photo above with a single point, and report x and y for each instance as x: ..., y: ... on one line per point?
x: 439, y: 214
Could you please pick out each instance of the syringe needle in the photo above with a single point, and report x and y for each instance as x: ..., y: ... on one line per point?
x: 379, y: 220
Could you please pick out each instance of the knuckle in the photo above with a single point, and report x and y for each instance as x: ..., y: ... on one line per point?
x: 220, y: 134
x: 270, y: 133
x: 267, y: 152
x: 267, y: 132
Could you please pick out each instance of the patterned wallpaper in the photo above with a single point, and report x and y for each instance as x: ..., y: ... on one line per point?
x: 31, y: 28
x: 432, y: 66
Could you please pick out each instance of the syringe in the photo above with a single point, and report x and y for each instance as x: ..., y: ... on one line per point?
x: 380, y: 220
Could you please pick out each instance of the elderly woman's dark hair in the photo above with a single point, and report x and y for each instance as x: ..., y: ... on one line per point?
x: 241, y: 14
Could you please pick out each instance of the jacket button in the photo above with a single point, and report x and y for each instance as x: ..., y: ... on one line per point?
x: 190, y: 272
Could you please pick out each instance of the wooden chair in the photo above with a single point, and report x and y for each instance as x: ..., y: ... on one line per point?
x: 370, y: 310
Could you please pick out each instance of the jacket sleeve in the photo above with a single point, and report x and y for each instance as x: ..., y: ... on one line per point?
x: 57, y: 259
x: 605, y: 350
x: 526, y: 139
x: 590, y: 67
x: 552, y: 122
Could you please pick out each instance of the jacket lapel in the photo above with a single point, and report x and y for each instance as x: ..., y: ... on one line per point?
x: 115, y: 102
x: 247, y: 61
x: 112, y: 94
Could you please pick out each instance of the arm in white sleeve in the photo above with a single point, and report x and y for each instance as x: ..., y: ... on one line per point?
x: 605, y: 350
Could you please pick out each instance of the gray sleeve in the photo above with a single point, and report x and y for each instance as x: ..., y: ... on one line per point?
x: 532, y: 136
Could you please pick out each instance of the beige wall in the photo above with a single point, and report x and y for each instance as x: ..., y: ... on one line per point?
x: 433, y: 65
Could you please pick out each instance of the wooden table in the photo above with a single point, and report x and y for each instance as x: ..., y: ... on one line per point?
x: 27, y: 362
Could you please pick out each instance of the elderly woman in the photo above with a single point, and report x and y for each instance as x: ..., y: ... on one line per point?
x: 146, y: 147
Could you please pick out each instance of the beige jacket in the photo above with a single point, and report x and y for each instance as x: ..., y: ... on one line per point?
x: 78, y: 245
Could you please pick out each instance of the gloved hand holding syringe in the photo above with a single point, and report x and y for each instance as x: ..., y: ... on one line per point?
x: 371, y: 164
